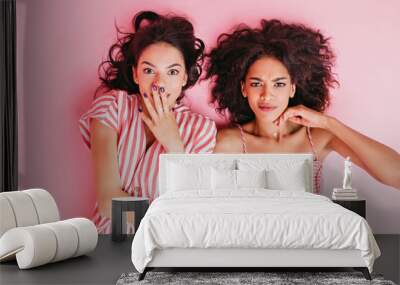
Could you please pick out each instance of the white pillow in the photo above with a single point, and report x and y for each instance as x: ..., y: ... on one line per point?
x: 183, y: 177
x: 223, y: 179
x: 293, y: 178
x: 229, y: 179
x: 251, y: 178
x: 282, y: 174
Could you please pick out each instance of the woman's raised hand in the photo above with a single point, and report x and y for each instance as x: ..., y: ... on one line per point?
x: 161, y: 120
x: 303, y: 116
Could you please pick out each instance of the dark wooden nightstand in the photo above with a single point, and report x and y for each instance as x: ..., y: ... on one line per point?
x: 357, y: 206
x: 119, y: 207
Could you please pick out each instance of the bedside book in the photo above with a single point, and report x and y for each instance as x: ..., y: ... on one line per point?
x: 344, y: 194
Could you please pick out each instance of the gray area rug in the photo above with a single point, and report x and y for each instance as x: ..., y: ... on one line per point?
x: 269, y: 278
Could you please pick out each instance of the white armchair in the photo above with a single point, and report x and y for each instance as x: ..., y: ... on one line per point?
x: 31, y: 230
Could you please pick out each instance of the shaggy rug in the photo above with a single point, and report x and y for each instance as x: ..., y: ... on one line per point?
x: 243, y: 278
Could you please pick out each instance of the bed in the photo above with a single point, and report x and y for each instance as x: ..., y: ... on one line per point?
x: 247, y: 211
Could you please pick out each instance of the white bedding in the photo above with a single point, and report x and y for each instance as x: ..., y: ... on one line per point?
x: 251, y: 218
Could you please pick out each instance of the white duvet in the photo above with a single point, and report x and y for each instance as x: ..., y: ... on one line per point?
x: 251, y: 218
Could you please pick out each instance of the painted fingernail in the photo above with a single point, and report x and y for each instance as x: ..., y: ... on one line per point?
x: 140, y: 109
x: 173, y: 109
x: 154, y: 87
x: 145, y: 95
x: 162, y: 89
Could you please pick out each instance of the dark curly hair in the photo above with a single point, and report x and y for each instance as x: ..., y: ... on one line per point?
x: 149, y: 28
x: 305, y: 53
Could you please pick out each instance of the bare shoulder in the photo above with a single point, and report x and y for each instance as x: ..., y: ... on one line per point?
x: 320, y: 136
x: 321, y: 139
x: 228, y: 141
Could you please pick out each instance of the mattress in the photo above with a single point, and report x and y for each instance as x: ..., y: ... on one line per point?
x: 250, y: 218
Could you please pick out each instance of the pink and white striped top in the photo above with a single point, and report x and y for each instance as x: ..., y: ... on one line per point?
x: 138, y: 167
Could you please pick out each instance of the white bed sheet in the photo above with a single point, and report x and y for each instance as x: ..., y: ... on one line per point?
x: 250, y: 218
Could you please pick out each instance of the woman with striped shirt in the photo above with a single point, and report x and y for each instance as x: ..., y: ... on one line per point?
x: 276, y: 92
x: 140, y: 114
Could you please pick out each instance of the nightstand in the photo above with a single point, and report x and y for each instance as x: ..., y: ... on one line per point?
x: 357, y: 206
x: 118, y: 216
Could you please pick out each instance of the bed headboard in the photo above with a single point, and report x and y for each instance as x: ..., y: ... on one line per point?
x: 231, y: 161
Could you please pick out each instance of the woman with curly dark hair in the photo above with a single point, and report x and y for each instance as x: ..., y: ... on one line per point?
x: 275, y: 81
x: 137, y: 115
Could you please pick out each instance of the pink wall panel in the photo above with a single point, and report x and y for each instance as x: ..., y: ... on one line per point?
x: 61, y: 43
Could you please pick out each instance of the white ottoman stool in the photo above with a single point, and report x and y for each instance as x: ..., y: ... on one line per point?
x: 31, y: 232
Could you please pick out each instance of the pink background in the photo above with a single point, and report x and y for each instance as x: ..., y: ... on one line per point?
x: 61, y: 42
